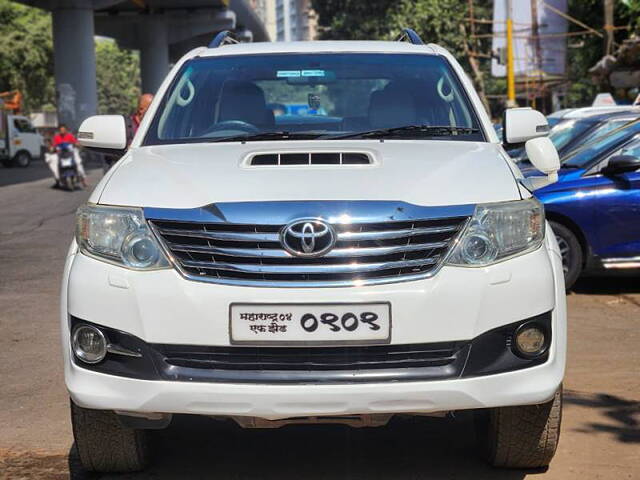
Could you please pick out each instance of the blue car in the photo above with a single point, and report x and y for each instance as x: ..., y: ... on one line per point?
x: 594, y: 208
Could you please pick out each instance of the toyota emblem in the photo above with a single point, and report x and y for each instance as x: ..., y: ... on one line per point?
x: 308, y: 238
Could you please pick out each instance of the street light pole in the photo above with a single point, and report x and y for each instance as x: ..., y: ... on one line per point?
x: 511, y: 86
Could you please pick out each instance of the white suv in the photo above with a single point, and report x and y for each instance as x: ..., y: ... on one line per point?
x: 315, y: 232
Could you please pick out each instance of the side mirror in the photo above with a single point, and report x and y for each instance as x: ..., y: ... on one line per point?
x: 543, y: 155
x: 621, y: 164
x: 522, y: 124
x: 106, y: 133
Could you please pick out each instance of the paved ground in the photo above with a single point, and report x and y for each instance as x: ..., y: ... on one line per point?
x: 600, y: 432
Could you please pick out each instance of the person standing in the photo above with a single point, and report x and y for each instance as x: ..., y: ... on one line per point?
x: 132, y: 124
x: 143, y: 105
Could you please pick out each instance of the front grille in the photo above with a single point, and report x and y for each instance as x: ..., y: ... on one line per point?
x: 363, y: 253
x: 313, y: 358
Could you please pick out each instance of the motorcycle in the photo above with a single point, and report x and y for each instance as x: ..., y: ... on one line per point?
x: 67, y: 166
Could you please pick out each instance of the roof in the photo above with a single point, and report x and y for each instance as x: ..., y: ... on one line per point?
x: 591, y: 111
x: 319, y: 47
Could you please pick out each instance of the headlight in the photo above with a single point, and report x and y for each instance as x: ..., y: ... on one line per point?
x: 498, y: 231
x: 118, y: 235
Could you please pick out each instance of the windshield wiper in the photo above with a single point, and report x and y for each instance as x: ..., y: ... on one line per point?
x: 425, y: 130
x: 263, y: 136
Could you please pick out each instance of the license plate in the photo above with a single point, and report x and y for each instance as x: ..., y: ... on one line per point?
x: 310, y: 324
x: 66, y: 162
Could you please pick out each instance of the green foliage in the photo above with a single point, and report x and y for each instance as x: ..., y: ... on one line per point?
x: 585, y: 51
x: 118, y: 77
x: 26, y: 56
x: 440, y: 21
x: 26, y: 63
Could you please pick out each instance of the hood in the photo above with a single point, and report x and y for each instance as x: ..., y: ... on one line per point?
x: 420, y: 172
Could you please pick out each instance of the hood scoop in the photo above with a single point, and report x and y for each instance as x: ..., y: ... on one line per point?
x: 310, y: 159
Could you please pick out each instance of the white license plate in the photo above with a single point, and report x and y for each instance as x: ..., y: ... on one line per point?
x: 310, y: 324
x: 66, y: 162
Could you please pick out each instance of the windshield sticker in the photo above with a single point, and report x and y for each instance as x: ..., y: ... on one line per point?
x: 288, y: 73
x: 313, y: 73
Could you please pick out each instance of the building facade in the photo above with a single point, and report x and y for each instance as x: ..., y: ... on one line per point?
x: 266, y: 11
x: 295, y: 20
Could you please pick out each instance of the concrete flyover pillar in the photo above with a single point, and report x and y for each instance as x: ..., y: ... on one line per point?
x: 75, y: 63
x: 154, y: 53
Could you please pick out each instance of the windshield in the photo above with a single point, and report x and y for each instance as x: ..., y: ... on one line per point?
x: 564, y: 132
x: 604, y: 129
x: 260, y: 97
x: 592, y: 151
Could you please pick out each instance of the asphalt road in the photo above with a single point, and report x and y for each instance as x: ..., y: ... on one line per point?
x: 600, y: 432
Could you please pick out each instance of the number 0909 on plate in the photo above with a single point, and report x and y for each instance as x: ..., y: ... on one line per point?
x: 310, y: 324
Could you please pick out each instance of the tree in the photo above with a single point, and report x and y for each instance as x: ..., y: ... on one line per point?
x: 26, y: 56
x: 444, y: 22
x: 118, y: 77
x: 437, y: 21
x: 584, y: 51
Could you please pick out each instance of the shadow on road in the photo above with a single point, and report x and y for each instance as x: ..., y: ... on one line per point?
x: 36, y: 171
x: 623, y: 414
x: 608, y: 285
x: 412, y: 448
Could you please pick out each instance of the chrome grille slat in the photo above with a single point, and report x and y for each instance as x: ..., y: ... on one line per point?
x: 277, y: 253
x: 309, y: 269
x: 391, y: 234
x: 374, y: 252
x: 229, y: 236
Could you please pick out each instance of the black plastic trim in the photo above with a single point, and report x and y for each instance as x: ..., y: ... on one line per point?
x: 489, y: 353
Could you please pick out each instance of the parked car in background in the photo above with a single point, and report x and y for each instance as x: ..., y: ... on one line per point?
x: 594, y: 208
x: 581, y: 126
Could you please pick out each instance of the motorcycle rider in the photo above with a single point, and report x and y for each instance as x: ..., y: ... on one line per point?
x: 64, y: 136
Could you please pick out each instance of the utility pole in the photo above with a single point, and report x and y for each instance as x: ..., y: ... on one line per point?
x: 511, y: 84
x: 535, y: 32
x: 608, y: 26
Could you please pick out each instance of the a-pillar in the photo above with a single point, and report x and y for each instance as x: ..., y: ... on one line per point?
x: 154, y: 54
x: 75, y: 63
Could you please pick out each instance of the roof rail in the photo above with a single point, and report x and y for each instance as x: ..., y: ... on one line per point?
x: 410, y: 35
x: 222, y: 38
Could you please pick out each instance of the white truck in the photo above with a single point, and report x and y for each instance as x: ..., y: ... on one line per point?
x: 376, y: 254
x: 20, y: 143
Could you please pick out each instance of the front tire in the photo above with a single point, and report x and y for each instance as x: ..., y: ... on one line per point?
x: 104, y: 444
x: 571, y: 251
x: 22, y: 159
x: 524, y: 436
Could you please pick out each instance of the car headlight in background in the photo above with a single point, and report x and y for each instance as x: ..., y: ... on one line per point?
x: 498, y: 231
x: 118, y: 235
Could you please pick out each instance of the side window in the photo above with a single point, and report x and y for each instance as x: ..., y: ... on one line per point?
x: 23, y: 126
x: 632, y: 148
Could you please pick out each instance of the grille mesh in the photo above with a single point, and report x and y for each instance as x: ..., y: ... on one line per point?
x: 313, y: 358
x: 250, y: 254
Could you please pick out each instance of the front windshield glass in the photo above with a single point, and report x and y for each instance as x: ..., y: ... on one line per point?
x: 564, y: 132
x: 604, y: 129
x: 592, y: 151
x: 312, y: 96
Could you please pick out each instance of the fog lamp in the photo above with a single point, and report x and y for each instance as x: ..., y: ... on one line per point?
x: 89, y: 344
x: 530, y: 341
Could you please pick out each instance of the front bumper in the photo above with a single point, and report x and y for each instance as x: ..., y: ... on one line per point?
x: 162, y: 308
